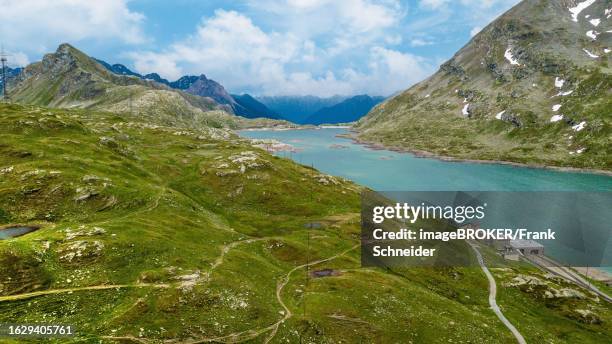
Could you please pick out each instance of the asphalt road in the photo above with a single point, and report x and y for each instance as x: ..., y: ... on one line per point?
x: 492, y: 296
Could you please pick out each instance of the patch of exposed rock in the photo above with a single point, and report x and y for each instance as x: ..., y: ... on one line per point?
x: 80, y: 249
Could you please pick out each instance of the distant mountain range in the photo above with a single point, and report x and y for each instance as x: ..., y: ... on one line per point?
x: 348, y: 110
x: 201, y: 86
x: 10, y: 73
x: 297, y: 109
x: 255, y: 108
x: 68, y: 78
x: 317, y: 110
x: 532, y: 87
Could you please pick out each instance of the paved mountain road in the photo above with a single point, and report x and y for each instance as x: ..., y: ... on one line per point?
x: 492, y: 297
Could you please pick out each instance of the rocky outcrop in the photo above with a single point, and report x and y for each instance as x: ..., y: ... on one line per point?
x: 205, y: 87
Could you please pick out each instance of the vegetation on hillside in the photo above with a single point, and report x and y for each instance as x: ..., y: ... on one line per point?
x: 161, y: 232
x: 525, y: 89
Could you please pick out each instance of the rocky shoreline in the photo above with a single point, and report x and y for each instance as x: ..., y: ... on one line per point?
x: 430, y: 155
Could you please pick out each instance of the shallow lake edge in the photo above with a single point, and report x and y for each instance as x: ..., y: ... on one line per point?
x: 429, y: 155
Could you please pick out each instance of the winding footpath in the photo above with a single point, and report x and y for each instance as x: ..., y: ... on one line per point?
x: 235, y: 337
x: 254, y: 333
x: 492, y: 296
x: 281, y: 285
x: 71, y: 290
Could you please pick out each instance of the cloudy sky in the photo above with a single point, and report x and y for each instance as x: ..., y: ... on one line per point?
x: 264, y: 47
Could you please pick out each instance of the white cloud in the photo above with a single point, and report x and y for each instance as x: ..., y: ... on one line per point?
x: 150, y: 62
x: 342, y: 24
x: 399, y: 69
x: 441, y: 19
x: 17, y: 59
x: 433, y: 4
x: 306, y: 4
x: 438, y: 4
x: 388, y: 71
x: 419, y: 42
x: 226, y: 44
x: 230, y: 48
x: 37, y: 23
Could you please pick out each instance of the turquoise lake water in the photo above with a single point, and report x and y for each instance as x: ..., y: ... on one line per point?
x: 393, y: 171
x: 384, y: 170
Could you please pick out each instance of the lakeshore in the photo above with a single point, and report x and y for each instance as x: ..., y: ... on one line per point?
x: 429, y: 155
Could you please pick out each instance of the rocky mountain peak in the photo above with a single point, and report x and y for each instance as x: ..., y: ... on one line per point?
x: 205, y: 87
x: 63, y: 59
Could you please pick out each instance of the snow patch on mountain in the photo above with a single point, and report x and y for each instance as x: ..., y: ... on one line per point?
x: 566, y: 93
x: 592, y: 34
x: 510, y: 58
x: 575, y: 11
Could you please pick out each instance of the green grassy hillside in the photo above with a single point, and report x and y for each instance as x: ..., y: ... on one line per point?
x: 152, y: 233
x: 69, y: 78
x: 525, y: 89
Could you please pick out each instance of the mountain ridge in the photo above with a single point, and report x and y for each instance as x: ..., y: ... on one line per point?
x: 69, y: 78
x: 348, y: 110
x: 204, y: 87
x: 256, y: 108
x: 297, y: 108
x: 525, y: 89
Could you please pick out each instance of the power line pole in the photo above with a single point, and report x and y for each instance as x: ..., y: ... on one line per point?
x: 4, y: 60
x: 307, y: 265
x: 308, y: 229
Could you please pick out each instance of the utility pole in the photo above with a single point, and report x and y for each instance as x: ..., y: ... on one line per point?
x: 307, y: 264
x: 308, y: 229
x: 3, y: 59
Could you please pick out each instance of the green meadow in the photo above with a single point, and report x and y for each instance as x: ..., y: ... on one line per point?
x: 152, y: 233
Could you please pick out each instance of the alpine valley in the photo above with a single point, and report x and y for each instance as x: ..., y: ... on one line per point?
x: 149, y: 220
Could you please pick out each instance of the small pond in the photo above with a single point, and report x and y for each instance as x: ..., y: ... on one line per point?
x: 15, y: 231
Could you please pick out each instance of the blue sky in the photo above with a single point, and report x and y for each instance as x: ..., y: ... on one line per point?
x: 264, y: 47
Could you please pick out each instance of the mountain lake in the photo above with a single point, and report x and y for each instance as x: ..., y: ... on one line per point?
x: 385, y: 170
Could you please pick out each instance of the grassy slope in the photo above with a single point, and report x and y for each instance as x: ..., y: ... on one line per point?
x: 428, y: 116
x: 173, y: 204
x: 69, y: 78
x: 407, y: 121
